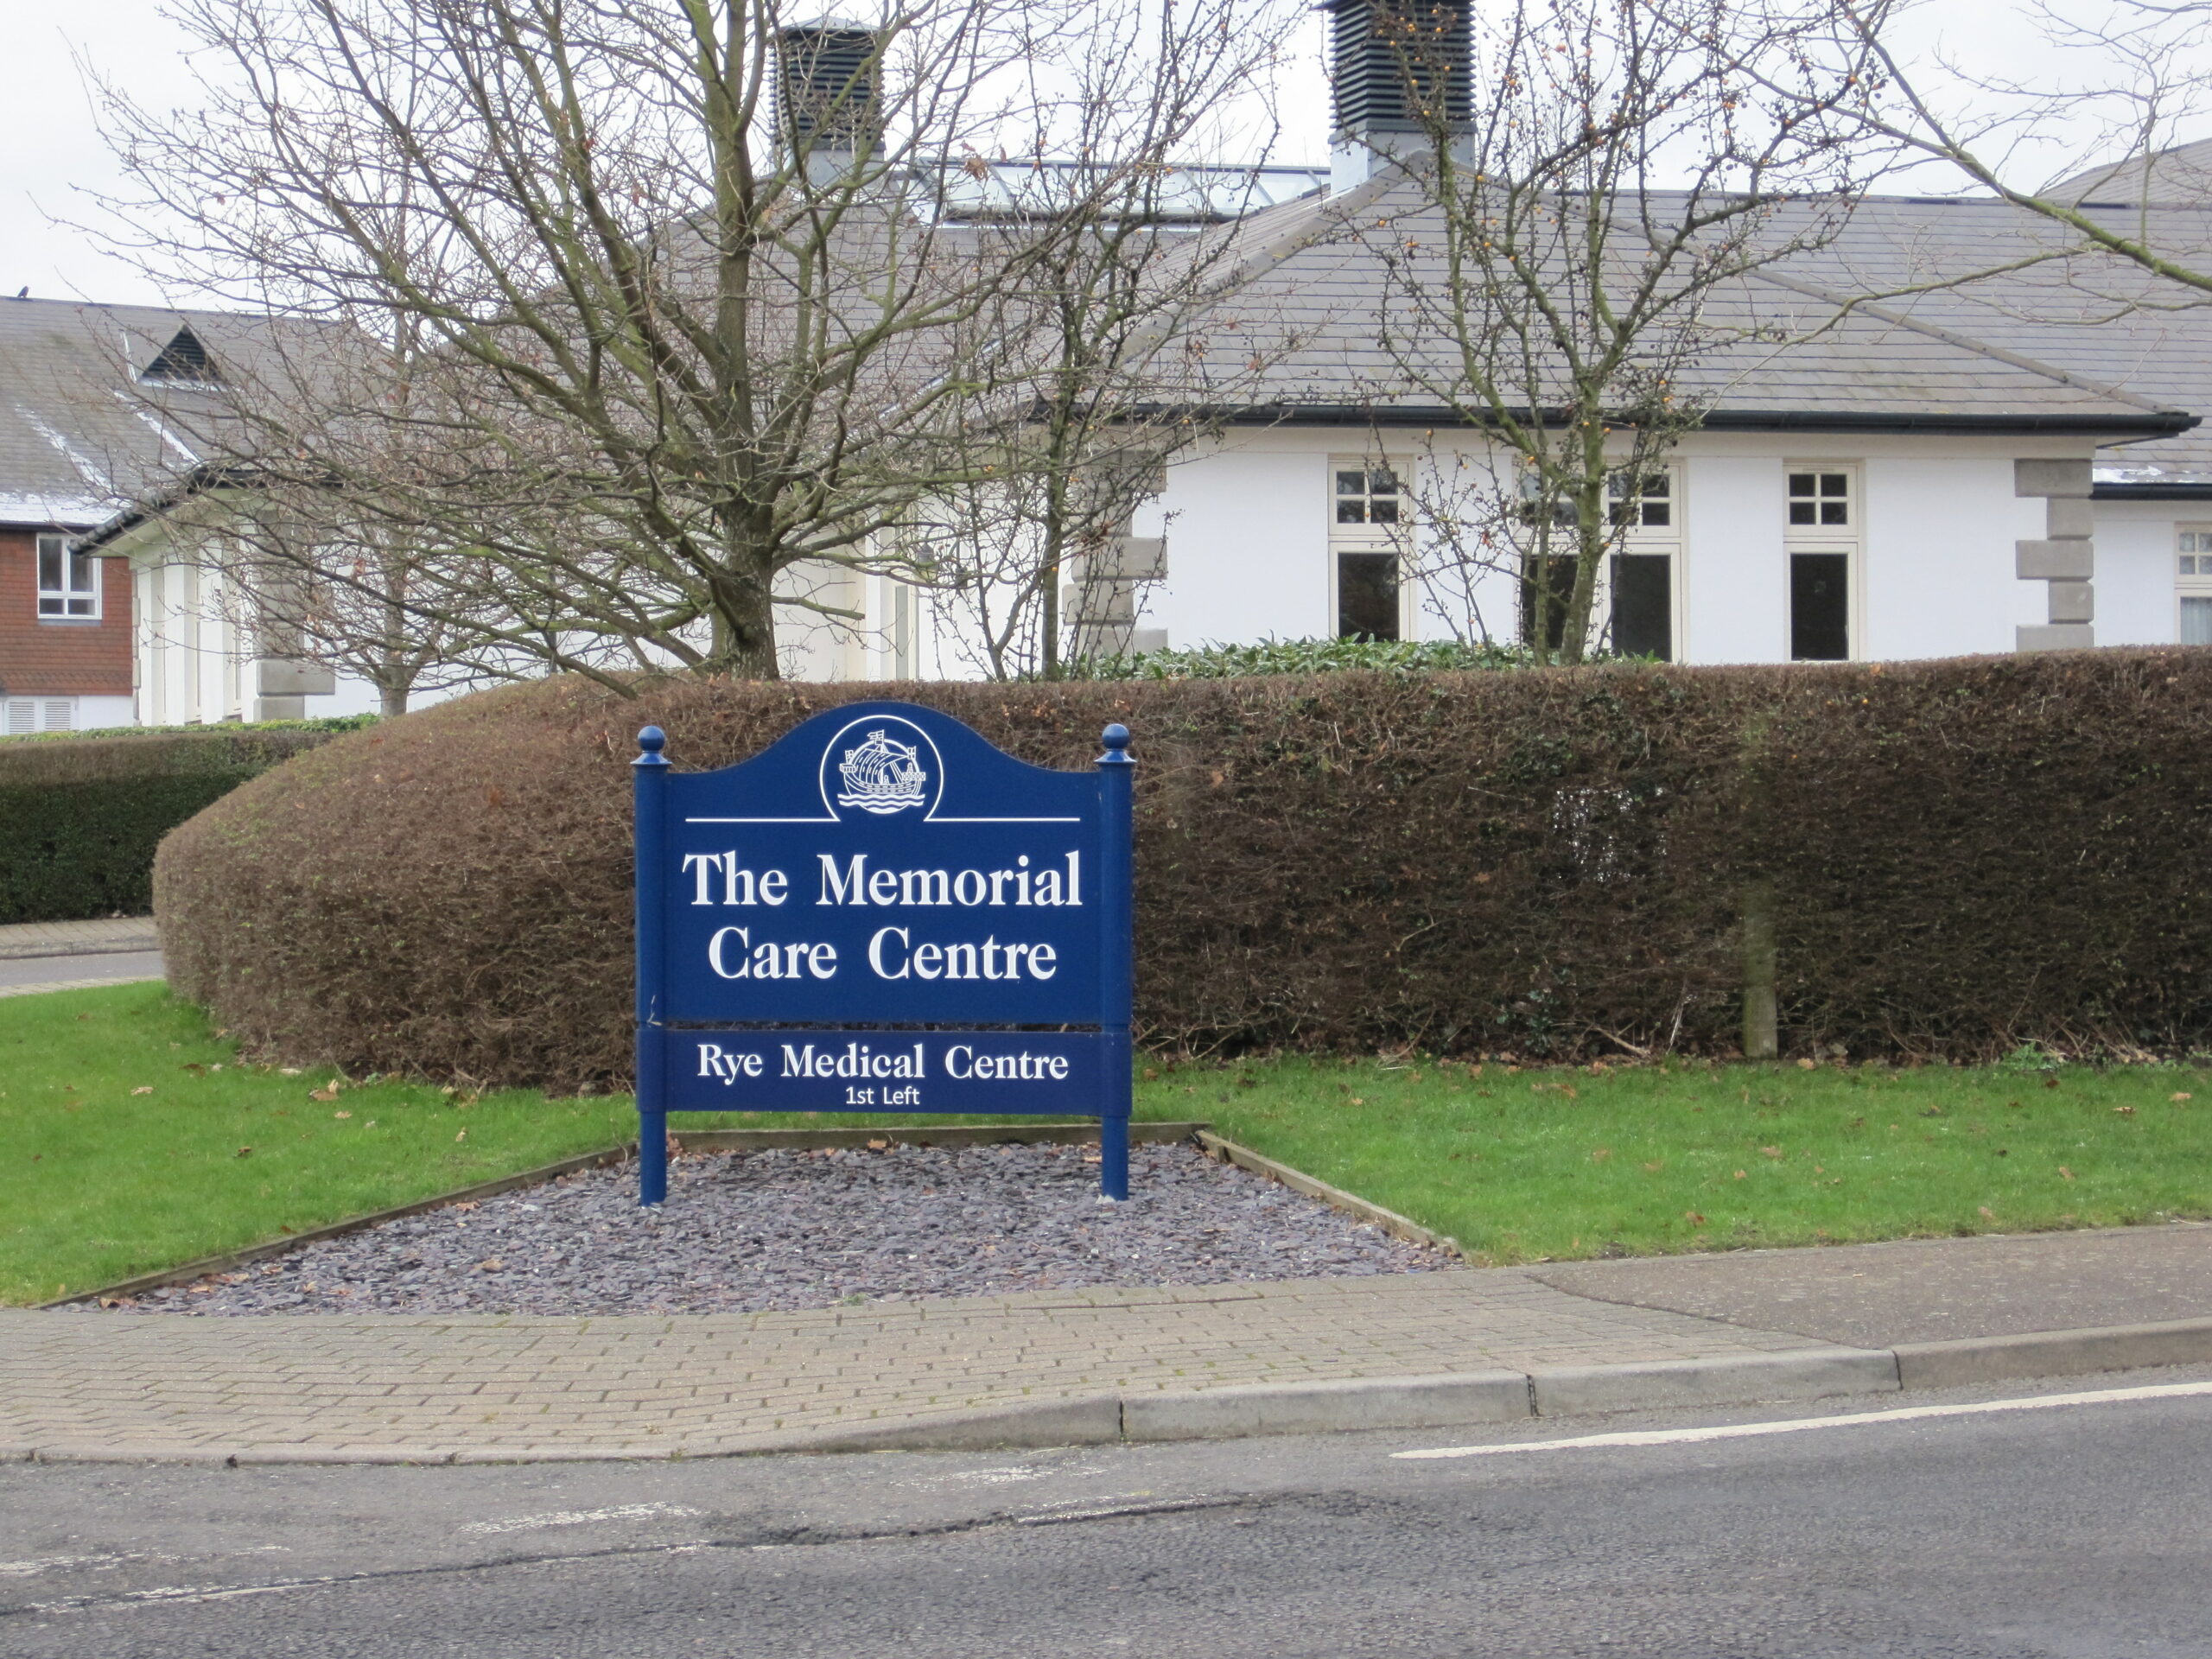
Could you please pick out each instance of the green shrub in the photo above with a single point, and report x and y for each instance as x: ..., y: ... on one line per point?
x: 1963, y: 857
x: 1218, y: 662
x: 80, y: 816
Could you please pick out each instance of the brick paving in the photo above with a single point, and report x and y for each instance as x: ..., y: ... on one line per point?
x: 85, y: 1384
x: 107, y: 933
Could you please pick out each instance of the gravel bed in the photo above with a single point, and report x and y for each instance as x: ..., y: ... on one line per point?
x: 745, y: 1231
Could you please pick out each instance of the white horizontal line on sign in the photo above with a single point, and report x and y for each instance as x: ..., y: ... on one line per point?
x: 926, y: 820
x: 1798, y: 1425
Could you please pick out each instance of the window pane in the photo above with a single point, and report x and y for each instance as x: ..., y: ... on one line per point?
x: 1351, y: 483
x: 1820, y: 608
x: 1382, y: 483
x: 1367, y: 596
x: 1656, y: 484
x: 80, y: 572
x: 1382, y: 512
x: 1835, y: 483
x: 80, y: 608
x: 2187, y: 565
x: 1658, y: 512
x: 1802, y: 513
x: 49, y: 562
x: 1352, y: 512
x: 2197, y: 621
x: 2189, y: 540
x: 1801, y: 484
x: 1835, y: 512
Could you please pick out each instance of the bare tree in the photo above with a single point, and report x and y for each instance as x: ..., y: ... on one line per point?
x: 1590, y: 201
x: 2091, y: 145
x: 670, y: 307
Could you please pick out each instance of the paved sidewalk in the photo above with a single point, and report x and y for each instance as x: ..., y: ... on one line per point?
x: 1049, y: 1367
x: 710, y: 1383
x: 108, y: 933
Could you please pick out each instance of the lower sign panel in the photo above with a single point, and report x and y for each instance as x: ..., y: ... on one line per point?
x: 847, y: 1069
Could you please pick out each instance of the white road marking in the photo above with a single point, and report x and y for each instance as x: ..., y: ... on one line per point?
x: 1798, y: 1425
x: 59, y: 1563
x: 579, y: 1518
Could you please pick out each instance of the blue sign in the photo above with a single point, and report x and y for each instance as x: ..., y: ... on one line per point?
x: 884, y: 912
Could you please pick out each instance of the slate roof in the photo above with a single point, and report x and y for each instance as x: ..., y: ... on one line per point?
x: 1314, y: 285
x: 83, y: 430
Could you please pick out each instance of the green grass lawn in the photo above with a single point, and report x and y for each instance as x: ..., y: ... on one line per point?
x: 1520, y: 1164
x: 132, y: 1138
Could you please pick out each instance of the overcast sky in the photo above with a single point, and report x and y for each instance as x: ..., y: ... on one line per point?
x: 52, y: 155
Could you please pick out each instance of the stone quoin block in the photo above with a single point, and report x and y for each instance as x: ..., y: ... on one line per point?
x: 2058, y: 636
x: 2054, y: 560
x: 2070, y: 478
x: 2069, y: 518
x: 2072, y: 601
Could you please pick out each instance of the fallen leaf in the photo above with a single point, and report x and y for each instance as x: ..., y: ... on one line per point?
x: 463, y: 1135
x: 1601, y: 1155
x: 1358, y: 1100
x: 1659, y: 1164
x: 194, y: 1066
x: 1988, y: 1214
x: 143, y: 1088
x: 1739, y: 1174
x: 1805, y: 1065
x: 489, y: 1264
x: 1692, y: 1217
x: 1770, y: 1152
x: 2065, y: 1172
x: 2123, y: 1112
x: 879, y: 1146
x: 243, y: 1152
x: 329, y: 1093
x: 341, y: 1114
x: 2184, y: 1095
x: 288, y: 1071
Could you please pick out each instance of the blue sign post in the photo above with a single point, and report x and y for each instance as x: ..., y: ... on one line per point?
x: 884, y: 912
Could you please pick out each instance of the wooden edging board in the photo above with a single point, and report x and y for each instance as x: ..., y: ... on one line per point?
x: 939, y: 1134
x: 1351, y: 1204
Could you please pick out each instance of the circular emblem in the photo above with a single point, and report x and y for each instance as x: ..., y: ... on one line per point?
x: 881, y: 766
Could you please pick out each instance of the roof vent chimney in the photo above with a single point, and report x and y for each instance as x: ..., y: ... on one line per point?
x: 1400, y: 71
x: 829, y: 99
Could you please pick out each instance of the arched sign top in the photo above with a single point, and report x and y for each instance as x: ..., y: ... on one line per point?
x: 883, y: 911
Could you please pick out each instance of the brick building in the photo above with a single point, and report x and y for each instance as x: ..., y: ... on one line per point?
x: 99, y: 407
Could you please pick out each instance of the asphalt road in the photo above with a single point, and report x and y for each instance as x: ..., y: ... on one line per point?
x: 2078, y: 1529
x: 110, y: 964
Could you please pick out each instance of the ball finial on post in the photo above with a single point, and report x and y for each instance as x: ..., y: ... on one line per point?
x: 1116, y: 737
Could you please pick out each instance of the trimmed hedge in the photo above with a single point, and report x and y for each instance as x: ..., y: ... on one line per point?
x: 80, y: 816
x: 1963, y: 856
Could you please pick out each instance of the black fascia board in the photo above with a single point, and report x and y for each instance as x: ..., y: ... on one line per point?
x: 2165, y: 490
x: 2152, y: 423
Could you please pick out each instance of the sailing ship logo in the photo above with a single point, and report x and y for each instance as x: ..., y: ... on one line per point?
x: 881, y: 776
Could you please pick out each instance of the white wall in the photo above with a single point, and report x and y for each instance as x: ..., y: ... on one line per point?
x: 1247, y: 546
x: 1735, y: 577
x: 1940, y: 579
x: 2135, y: 580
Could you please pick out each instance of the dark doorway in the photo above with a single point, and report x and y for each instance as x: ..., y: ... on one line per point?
x: 1820, y: 608
x: 1644, y: 606
x: 1367, y: 596
x: 1562, y: 589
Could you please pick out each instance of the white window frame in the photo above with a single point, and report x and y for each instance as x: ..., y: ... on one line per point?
x: 1638, y: 538
x: 2192, y: 569
x: 1368, y: 537
x: 54, y: 602
x: 1847, y: 539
